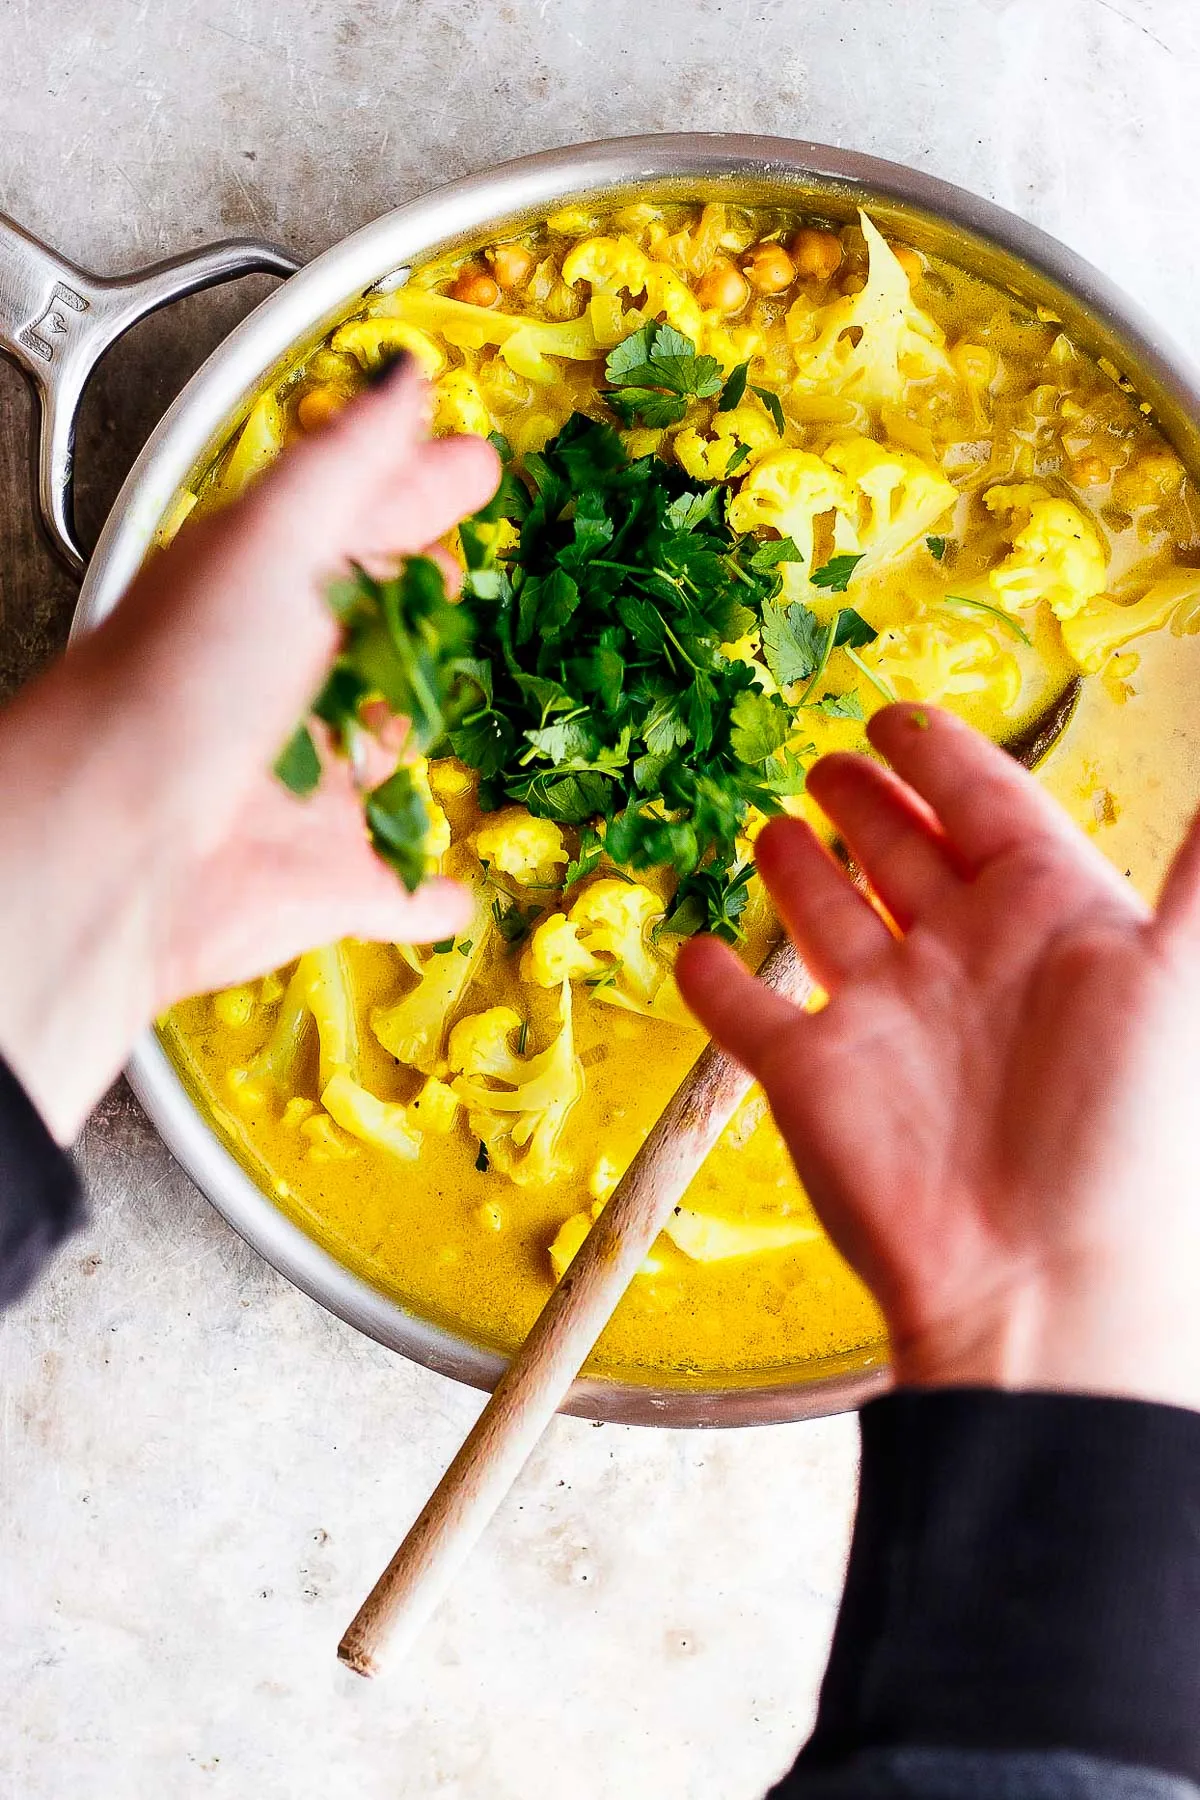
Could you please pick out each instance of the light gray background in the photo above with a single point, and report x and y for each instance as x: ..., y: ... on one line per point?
x: 200, y: 1471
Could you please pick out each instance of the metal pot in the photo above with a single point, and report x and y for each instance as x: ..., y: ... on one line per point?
x: 56, y: 321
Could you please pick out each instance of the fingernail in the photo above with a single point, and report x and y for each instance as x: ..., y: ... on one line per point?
x: 390, y: 367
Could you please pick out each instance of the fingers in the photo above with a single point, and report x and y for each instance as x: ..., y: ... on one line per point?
x: 891, y: 833
x: 735, y: 1008
x: 834, y: 927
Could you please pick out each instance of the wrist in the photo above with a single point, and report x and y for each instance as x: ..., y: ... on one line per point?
x: 1113, y: 1322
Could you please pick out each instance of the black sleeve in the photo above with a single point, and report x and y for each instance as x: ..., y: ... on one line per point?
x: 40, y: 1198
x: 1024, y: 1583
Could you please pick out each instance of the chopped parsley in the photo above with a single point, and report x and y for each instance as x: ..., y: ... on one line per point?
x: 936, y: 547
x: 582, y: 673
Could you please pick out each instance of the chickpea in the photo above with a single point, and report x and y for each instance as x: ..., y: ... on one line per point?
x: 816, y: 254
x: 722, y: 289
x: 1090, y: 471
x: 318, y: 406
x: 511, y: 265
x: 475, y: 287
x: 769, y: 269
x: 910, y: 260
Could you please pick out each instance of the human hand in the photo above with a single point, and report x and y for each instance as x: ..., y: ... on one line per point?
x: 150, y: 852
x: 994, y: 1114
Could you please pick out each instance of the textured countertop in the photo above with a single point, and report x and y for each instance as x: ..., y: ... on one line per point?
x: 201, y: 1471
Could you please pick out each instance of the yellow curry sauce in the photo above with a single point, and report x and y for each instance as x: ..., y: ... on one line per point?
x: 1017, y: 520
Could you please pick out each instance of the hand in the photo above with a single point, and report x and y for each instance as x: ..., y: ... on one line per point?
x: 995, y: 1113
x: 148, y: 850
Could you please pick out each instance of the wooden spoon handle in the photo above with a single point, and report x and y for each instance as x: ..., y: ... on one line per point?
x: 539, y: 1377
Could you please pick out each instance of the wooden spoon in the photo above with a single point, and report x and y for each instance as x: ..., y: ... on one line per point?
x: 537, y: 1380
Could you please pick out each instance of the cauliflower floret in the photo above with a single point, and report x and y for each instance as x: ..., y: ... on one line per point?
x: 437, y: 832
x: 614, y: 266
x: 325, y: 983
x: 271, y: 1071
x: 529, y: 850
x: 1092, y: 634
x: 459, y: 407
x: 901, y: 496
x: 787, y: 492
x: 414, y: 1028
x: 706, y: 1238
x: 610, y: 265
x: 521, y: 1122
x: 706, y: 459
x: 525, y: 344
x: 435, y: 1107
x: 258, y: 445
x: 383, y: 1123
x: 1056, y: 555
x: 868, y: 344
x: 479, y: 1044
x: 611, y: 919
x: 370, y: 340
x: 568, y: 1242
x: 933, y: 660
x: 555, y: 955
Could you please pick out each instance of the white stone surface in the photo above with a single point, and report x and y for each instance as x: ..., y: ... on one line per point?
x: 200, y: 1471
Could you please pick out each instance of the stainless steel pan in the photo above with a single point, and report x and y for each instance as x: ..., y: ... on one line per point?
x: 56, y: 321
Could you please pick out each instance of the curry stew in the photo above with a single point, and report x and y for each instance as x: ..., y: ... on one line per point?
x: 448, y: 1122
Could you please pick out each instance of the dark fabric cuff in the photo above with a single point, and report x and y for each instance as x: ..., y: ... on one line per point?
x: 1025, y: 1574
x: 41, y: 1201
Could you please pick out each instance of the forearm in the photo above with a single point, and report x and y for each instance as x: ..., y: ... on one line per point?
x: 81, y: 847
x: 1025, y: 1576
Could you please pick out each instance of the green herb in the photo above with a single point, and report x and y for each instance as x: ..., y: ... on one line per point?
x: 936, y: 547
x: 879, y: 685
x: 1006, y: 619
x: 514, y: 922
x: 582, y: 673
x: 840, y: 706
x: 465, y: 947
x: 483, y: 1161
x: 298, y: 766
x: 590, y: 851
x: 735, y: 387
x: 737, y: 459
x: 653, y: 374
x: 403, y: 643
x: 443, y: 947
x: 523, y: 1037
x: 773, y: 405
x: 835, y: 574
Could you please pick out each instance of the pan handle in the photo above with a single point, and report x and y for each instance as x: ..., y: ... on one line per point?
x: 57, y: 321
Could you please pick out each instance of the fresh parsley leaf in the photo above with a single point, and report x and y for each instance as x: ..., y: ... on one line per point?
x: 936, y: 547
x: 737, y: 459
x: 735, y: 387
x: 647, y: 406
x: 398, y: 822
x: 835, y: 574
x: 773, y: 405
x: 839, y: 706
x: 690, y: 510
x: 852, y: 630
x: 791, y: 641
x: 298, y: 766
x: 760, y: 724
x: 484, y: 742
x: 655, y: 372
x: 483, y: 1161
x: 772, y: 553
